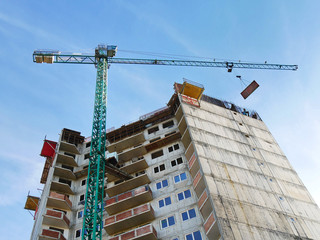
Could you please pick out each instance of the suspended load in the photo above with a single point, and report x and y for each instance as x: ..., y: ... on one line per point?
x: 249, y: 89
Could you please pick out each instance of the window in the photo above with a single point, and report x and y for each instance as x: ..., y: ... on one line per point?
x: 139, y: 173
x: 170, y: 133
x: 185, y: 194
x: 168, y: 124
x: 83, y: 182
x: 191, y: 213
x: 155, y: 139
x: 67, y: 167
x: 88, y: 144
x: 65, y: 181
x: 153, y: 130
x: 162, y: 184
x: 194, y: 236
x: 176, y: 162
x: 56, y: 229
x: 157, y: 154
x: 78, y: 233
x: 174, y: 147
x: 159, y: 168
x: 167, y: 222
x: 80, y: 214
x: 82, y: 197
x: 118, y: 181
x: 87, y: 156
x: 70, y: 154
x: 165, y: 202
x: 181, y: 177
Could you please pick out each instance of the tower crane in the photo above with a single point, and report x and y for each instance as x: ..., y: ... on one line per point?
x: 104, y: 55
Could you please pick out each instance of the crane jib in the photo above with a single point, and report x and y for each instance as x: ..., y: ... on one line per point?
x: 91, y: 59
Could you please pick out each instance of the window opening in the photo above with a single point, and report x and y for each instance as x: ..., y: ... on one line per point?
x: 153, y: 130
x: 57, y: 229
x: 168, y: 124
x: 165, y: 202
x: 167, y: 222
x: 194, y: 236
x: 162, y: 184
x: 191, y: 213
x: 159, y: 168
x: 183, y: 195
x: 157, y: 154
x: 176, y: 162
x: 181, y: 177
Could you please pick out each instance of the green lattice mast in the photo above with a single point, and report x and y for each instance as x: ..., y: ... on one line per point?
x: 93, y: 211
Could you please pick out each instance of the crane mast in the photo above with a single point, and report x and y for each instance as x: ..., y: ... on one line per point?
x: 104, y: 55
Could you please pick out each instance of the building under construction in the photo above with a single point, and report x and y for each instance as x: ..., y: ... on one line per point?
x: 199, y: 168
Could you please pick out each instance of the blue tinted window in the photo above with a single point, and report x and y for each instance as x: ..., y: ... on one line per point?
x: 165, y: 183
x: 168, y: 200
x: 189, y: 237
x: 187, y: 193
x: 158, y: 185
x: 180, y: 196
x: 185, y: 216
x: 183, y: 176
x: 171, y: 221
x: 192, y: 213
x: 197, y: 235
x: 164, y: 223
x: 161, y: 203
x: 176, y: 179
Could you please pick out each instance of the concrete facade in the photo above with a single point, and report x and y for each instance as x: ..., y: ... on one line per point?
x: 205, y: 172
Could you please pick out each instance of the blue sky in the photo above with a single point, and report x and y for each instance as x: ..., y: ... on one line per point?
x: 39, y: 100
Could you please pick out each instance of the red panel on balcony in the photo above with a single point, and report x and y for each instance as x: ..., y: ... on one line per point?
x: 124, y: 196
x: 146, y: 232
x: 48, y: 149
x: 51, y: 234
x: 129, y: 219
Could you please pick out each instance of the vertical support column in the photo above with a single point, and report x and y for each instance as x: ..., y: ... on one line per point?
x: 93, y: 211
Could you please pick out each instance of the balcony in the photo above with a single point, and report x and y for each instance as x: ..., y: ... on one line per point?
x: 57, y: 200
x: 129, y: 219
x: 48, y: 234
x: 128, y: 200
x: 67, y: 160
x: 146, y: 232
x: 126, y: 143
x: 163, y: 142
x: 56, y: 218
x: 61, y: 188
x: 128, y: 185
x: 131, y: 153
x: 68, y: 147
x: 64, y: 172
x: 131, y: 168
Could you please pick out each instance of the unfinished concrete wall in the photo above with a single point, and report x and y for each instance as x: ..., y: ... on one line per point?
x: 255, y: 191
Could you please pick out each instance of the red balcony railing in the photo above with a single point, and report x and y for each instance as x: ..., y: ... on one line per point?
x: 56, y: 218
x: 51, y: 234
x: 128, y: 200
x: 146, y: 232
x: 58, y: 200
x: 129, y: 219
